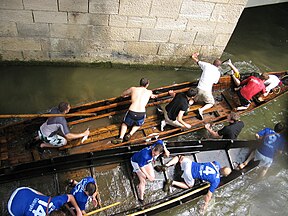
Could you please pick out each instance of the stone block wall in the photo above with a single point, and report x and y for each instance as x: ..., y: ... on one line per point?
x: 162, y: 32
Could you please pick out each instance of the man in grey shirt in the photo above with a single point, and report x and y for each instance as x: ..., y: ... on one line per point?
x: 49, y: 129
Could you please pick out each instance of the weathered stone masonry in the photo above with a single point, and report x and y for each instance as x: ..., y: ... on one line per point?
x: 120, y: 31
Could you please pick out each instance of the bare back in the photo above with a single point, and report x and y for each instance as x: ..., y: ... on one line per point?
x: 139, y: 97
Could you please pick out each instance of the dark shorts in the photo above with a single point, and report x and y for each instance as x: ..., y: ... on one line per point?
x: 243, y: 101
x: 134, y: 118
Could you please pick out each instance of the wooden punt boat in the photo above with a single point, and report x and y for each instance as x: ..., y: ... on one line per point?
x: 104, y: 119
x: 97, y: 164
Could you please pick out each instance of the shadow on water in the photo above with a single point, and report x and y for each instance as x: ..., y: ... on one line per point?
x: 30, y: 89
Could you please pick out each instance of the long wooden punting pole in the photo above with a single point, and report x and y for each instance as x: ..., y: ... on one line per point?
x: 45, y: 115
x: 102, y: 209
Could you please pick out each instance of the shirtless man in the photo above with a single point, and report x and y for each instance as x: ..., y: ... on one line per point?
x: 136, y: 114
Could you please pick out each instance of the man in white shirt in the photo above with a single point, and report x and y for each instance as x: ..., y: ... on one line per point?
x: 209, y: 76
x: 271, y: 81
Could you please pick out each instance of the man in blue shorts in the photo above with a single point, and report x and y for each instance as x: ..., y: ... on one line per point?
x: 136, y: 114
x: 272, y: 141
x: 48, y: 130
x: 26, y: 201
x: 84, y: 191
x: 209, y: 172
x: 142, y: 164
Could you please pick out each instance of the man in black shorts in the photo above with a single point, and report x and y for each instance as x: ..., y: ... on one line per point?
x: 230, y: 131
x: 136, y: 114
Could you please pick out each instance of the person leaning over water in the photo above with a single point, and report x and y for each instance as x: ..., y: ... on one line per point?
x: 230, y: 131
x: 136, y: 114
x: 209, y: 172
x: 26, y: 201
x: 84, y: 191
x: 175, y: 110
x: 48, y: 130
x: 272, y: 141
x: 247, y: 88
x: 210, y: 75
x: 142, y: 164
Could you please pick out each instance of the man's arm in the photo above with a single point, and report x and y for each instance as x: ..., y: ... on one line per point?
x: 211, y: 131
x: 153, y: 95
x: 172, y: 93
x: 72, y: 200
x: 207, y: 199
x: 72, y: 136
x: 166, y: 152
x: 195, y: 57
x: 180, y: 119
x: 127, y: 92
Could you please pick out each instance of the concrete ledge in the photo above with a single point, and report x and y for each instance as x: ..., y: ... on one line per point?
x: 9, y: 55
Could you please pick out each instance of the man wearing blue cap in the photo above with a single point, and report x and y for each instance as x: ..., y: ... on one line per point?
x: 142, y: 164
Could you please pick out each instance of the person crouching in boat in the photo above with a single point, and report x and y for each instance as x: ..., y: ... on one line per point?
x: 247, y: 88
x: 26, y: 201
x: 230, y: 131
x: 136, y: 114
x: 84, y: 192
x: 142, y: 164
x: 272, y: 141
x: 209, y: 172
x: 175, y: 110
x: 48, y: 130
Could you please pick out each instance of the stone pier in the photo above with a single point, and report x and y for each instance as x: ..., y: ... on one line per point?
x: 160, y: 32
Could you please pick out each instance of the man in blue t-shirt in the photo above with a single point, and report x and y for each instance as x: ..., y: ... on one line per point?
x: 272, y: 141
x: 142, y: 164
x: 26, y: 201
x: 83, y: 191
x: 209, y: 172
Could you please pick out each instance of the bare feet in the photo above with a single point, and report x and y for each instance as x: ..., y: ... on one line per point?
x: 242, y: 165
